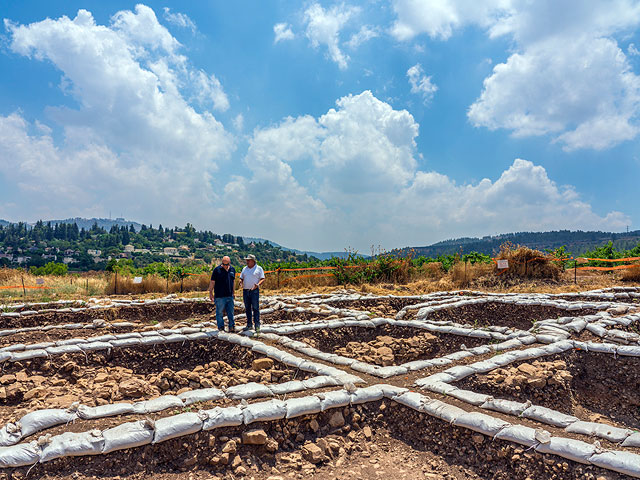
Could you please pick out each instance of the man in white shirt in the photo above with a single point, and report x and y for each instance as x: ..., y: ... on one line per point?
x: 251, y: 278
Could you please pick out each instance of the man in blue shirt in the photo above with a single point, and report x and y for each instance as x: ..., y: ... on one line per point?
x: 222, y: 292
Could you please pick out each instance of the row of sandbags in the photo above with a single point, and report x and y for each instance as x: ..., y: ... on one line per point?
x: 139, y: 433
x: 441, y: 383
x: 40, y: 420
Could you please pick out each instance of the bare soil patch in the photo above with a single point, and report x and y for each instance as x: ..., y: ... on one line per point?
x: 131, y: 374
x: 504, y: 314
x: 385, y: 345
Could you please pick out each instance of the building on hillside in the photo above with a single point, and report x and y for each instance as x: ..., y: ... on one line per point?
x: 67, y: 260
x: 171, y: 251
x: 129, y: 248
x: 183, y: 248
x: 94, y: 253
x: 142, y: 250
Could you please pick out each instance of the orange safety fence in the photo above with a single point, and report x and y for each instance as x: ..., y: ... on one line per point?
x: 630, y: 259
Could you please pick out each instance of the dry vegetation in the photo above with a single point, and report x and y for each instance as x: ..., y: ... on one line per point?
x: 529, y: 271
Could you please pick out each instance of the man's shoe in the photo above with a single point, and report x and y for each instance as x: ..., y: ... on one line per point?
x: 258, y: 331
x: 246, y: 329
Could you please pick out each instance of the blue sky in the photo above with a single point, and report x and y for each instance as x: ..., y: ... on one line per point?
x: 323, y: 125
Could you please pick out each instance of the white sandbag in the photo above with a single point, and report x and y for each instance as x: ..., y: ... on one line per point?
x: 297, y: 407
x: 201, y: 395
x: 443, y: 411
x: 157, y: 404
x: 10, y: 434
x: 219, y: 417
x: 152, y: 340
x: 69, y: 444
x: 391, y: 371
x: 28, y: 355
x: 264, y: 411
x: 42, y: 419
x: 622, y: 462
x: 19, y: 455
x: 126, y: 342
x: 632, y: 440
x: 63, y: 349
x: 629, y: 351
x: 412, y: 400
x: 248, y: 390
x: 367, y: 394
x: 93, y: 346
x: 568, y: 448
x: 335, y: 399
x: 89, y: 413
x: 608, y: 432
x: 470, y: 397
x: 319, y: 382
x: 391, y: 391
x: 459, y: 372
x: 455, y: 356
x: 505, y: 406
x: 479, y: 422
x: 177, y: 425
x: 364, y: 367
x: 548, y: 416
x: 287, y: 387
x: 518, y: 434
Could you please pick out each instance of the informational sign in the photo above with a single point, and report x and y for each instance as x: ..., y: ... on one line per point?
x: 39, y: 281
x: 137, y: 279
x: 502, y: 264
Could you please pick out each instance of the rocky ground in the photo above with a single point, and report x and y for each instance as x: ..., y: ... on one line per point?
x: 593, y: 387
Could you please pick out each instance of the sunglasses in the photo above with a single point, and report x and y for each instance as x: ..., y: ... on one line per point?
x: 226, y: 264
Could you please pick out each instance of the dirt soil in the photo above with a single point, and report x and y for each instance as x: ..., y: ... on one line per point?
x: 594, y: 387
x: 385, y: 345
x: 147, y: 313
x: 504, y: 314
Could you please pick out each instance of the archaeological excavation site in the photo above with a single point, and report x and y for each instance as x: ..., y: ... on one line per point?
x: 447, y: 385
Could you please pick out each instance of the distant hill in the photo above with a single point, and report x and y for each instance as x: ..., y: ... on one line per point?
x: 318, y: 255
x: 87, y: 223
x: 105, y: 223
x: 576, y: 242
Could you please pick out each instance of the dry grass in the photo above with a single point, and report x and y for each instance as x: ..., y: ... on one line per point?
x: 527, y: 263
x: 464, y: 274
x: 156, y: 284
x: 76, y: 286
x: 631, y: 274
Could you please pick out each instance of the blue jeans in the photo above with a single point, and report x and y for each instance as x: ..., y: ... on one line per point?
x: 252, y: 307
x: 222, y: 304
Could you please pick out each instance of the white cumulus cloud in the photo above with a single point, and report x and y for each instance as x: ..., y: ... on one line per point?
x: 420, y: 83
x: 133, y: 139
x: 323, y: 27
x: 349, y: 177
x: 179, y: 19
x: 567, y: 77
x: 282, y: 31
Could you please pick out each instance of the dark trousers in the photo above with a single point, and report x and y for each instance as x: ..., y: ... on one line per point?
x: 252, y: 307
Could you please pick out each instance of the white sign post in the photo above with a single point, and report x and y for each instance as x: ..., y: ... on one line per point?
x: 503, y: 264
x: 137, y: 279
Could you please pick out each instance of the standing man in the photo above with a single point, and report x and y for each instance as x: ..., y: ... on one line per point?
x: 221, y: 292
x: 251, y: 278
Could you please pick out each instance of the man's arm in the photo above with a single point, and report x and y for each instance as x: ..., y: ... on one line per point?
x: 212, y: 284
x: 233, y: 285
